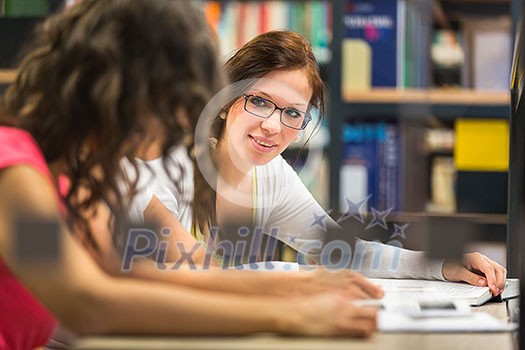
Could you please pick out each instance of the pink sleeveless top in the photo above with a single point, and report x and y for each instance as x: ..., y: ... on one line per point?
x: 24, y: 322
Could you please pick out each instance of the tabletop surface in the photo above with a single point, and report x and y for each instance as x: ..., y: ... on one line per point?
x: 419, y: 341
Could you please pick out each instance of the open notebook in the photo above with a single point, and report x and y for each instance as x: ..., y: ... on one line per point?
x: 441, y: 290
x: 399, y: 289
x: 436, y: 306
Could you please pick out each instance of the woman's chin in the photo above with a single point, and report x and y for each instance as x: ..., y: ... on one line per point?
x: 259, y: 160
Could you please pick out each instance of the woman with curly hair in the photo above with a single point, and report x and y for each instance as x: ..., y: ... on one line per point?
x: 102, y: 78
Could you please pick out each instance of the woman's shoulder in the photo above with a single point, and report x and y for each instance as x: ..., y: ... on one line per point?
x: 277, y: 166
x: 18, y: 147
x: 277, y: 173
x: 16, y: 142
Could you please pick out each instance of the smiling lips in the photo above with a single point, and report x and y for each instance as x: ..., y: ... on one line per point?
x: 263, y: 143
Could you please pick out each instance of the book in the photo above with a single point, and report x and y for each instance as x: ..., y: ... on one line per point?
x: 404, y: 289
x: 26, y: 8
x: 414, y: 41
x: 360, y: 163
x: 390, y: 322
x: 443, y: 175
x: 370, y: 165
x: 369, y: 47
x: 488, y: 48
x: 482, y: 144
x: 240, y: 21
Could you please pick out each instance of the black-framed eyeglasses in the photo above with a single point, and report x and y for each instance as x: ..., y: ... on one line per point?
x: 264, y: 108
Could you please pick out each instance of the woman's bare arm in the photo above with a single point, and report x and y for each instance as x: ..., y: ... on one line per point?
x: 86, y: 300
x: 210, y: 277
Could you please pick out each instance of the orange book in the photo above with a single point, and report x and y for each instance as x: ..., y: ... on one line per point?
x: 212, y: 11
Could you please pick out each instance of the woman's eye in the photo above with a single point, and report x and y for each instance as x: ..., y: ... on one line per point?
x: 257, y: 101
x: 292, y: 113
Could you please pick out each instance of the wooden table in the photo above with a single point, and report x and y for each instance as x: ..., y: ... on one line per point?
x: 383, y: 341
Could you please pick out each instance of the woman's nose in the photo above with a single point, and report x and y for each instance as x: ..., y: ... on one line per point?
x: 272, y: 124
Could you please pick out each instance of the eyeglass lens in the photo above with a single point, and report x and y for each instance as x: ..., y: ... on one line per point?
x: 265, y: 108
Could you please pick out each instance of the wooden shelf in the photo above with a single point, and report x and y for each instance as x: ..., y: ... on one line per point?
x: 488, y: 219
x: 477, y: 2
x: 433, y: 96
x: 7, y: 76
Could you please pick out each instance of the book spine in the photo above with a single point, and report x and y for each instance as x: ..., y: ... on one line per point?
x: 359, y: 170
x: 391, y: 163
x: 374, y: 23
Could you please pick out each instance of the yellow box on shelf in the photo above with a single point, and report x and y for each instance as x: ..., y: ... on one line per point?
x: 481, y: 145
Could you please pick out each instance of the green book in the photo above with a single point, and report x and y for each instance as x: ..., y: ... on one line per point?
x: 25, y: 8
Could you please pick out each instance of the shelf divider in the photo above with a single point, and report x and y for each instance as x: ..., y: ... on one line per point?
x: 7, y: 76
x: 430, y: 96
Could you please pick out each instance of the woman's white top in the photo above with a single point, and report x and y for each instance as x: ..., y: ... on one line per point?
x: 174, y: 188
x: 284, y: 209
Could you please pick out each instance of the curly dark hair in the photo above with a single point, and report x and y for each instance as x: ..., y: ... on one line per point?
x: 266, y: 53
x: 96, y: 72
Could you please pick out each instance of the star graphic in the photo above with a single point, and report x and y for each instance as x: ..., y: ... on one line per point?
x: 292, y: 238
x: 399, y: 231
x: 319, y: 221
x: 379, y: 218
x: 355, y: 209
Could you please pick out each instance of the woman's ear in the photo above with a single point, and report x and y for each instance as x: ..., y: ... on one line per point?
x: 183, y: 119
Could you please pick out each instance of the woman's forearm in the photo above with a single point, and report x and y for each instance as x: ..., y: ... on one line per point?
x: 229, y: 281
x: 162, y: 309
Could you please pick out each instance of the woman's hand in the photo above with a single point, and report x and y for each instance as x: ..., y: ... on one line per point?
x: 352, y: 284
x: 329, y: 314
x: 477, y: 270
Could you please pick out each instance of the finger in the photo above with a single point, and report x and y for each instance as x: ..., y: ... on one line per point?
x: 366, y: 312
x: 373, y: 291
x: 501, y: 275
x: 355, y: 293
x: 360, y: 327
x: 480, y: 263
x: 470, y: 277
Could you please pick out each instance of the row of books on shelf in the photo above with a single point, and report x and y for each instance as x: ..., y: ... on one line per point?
x: 391, y: 43
x: 236, y: 22
x: 373, y: 167
x: 370, y: 167
x: 448, y: 169
x: 384, y: 43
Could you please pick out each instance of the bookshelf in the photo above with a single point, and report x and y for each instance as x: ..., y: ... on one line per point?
x: 431, y: 96
x: 445, y: 104
x: 411, y: 108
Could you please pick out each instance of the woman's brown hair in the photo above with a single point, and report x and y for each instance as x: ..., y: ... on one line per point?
x: 266, y: 53
x: 94, y: 74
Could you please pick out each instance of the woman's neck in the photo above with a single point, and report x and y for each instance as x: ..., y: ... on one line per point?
x: 232, y: 170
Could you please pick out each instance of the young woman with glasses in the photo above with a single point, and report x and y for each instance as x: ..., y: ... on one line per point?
x: 259, y: 125
x: 276, y: 83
